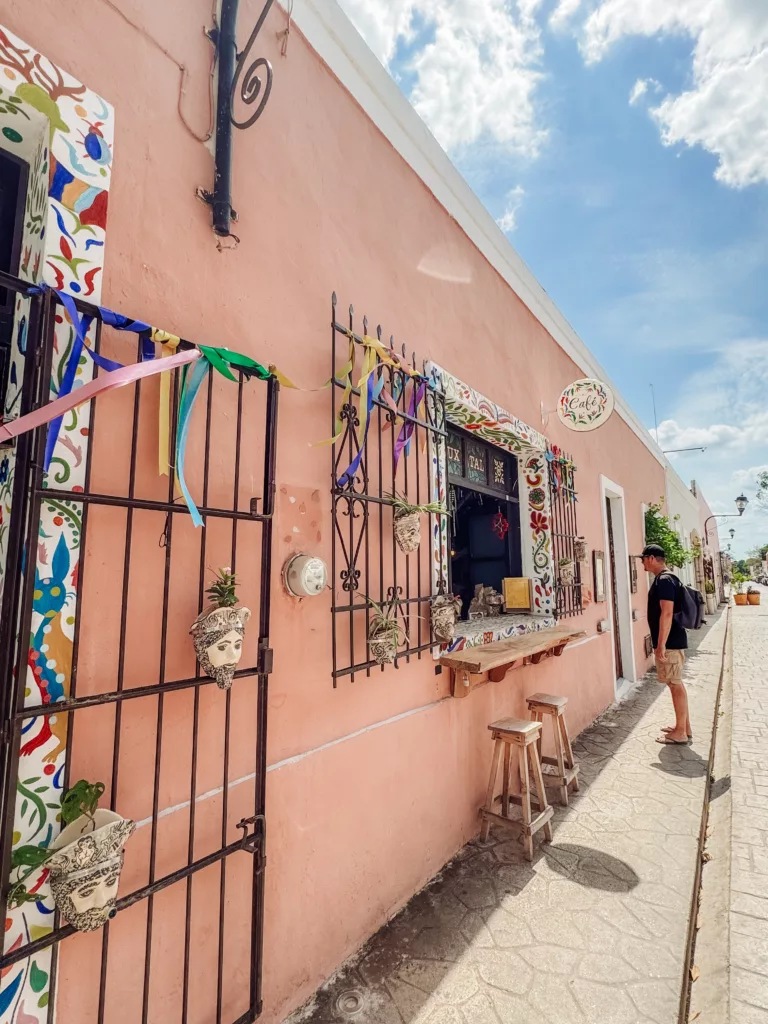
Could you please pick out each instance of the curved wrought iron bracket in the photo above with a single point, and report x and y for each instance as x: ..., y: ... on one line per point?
x: 236, y: 72
x: 251, y: 85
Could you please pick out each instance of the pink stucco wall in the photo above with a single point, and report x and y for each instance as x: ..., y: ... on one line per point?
x: 324, y: 203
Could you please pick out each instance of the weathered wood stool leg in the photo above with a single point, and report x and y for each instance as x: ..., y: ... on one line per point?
x: 525, y: 794
x: 505, y: 782
x: 557, y: 718
x: 568, y: 751
x: 538, y: 778
x: 491, y: 787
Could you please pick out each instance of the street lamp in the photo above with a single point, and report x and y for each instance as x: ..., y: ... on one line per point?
x: 732, y: 533
x: 741, y: 503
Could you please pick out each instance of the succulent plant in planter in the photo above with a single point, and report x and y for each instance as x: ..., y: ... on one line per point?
x: 385, y: 633
x: 83, y: 862
x: 566, y: 571
x: 407, y: 520
x: 217, y: 633
x: 445, y: 610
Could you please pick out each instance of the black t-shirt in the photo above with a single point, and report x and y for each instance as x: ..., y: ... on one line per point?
x: 664, y: 588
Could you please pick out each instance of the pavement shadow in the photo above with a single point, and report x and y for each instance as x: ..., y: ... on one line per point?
x: 416, y: 965
x: 719, y: 787
x: 591, y: 868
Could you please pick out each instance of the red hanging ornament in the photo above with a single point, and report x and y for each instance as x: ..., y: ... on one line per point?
x: 500, y: 525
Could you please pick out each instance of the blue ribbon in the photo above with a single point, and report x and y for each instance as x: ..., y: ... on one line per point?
x: 81, y: 325
x: 189, y: 391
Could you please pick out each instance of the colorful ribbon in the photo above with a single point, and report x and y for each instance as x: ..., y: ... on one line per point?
x: 221, y: 359
x: 107, y: 382
x: 80, y: 325
x: 169, y: 343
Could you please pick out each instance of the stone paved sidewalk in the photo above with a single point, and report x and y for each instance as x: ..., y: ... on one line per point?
x: 749, y: 830
x: 594, y: 931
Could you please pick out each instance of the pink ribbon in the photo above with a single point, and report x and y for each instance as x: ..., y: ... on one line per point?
x: 106, y: 382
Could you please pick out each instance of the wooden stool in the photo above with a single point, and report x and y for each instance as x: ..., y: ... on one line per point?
x: 567, y: 770
x: 525, y: 736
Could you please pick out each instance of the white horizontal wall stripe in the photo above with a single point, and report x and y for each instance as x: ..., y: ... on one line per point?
x: 295, y: 759
x: 316, y: 750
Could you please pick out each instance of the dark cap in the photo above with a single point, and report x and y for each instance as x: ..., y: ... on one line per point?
x: 653, y: 551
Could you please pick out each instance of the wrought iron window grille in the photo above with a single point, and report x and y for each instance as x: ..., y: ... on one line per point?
x: 366, y: 562
x: 235, y: 526
x: 565, y: 533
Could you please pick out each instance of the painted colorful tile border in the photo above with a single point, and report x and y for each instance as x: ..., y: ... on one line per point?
x: 536, y: 523
x: 67, y: 208
x: 477, y: 632
x: 469, y: 409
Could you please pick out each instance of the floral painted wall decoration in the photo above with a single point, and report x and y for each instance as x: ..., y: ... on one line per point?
x: 70, y: 160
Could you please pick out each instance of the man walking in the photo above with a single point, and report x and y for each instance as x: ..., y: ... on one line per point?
x: 670, y: 639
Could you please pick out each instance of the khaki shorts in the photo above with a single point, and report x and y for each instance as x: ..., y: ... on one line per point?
x: 671, y: 670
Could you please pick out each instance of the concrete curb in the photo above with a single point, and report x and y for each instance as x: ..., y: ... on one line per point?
x: 708, y: 945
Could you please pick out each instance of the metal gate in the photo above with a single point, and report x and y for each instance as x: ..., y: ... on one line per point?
x: 185, y: 760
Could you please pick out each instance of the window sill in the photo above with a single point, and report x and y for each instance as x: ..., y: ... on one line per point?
x: 477, y: 632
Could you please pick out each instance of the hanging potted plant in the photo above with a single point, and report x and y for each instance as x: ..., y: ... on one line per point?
x: 444, y: 611
x: 84, y: 862
x: 580, y: 549
x: 385, y: 633
x: 753, y: 595
x: 407, y: 521
x: 566, y: 571
x: 217, y: 633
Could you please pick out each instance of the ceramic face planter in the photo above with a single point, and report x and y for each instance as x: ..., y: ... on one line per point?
x: 85, y: 868
x: 218, y: 639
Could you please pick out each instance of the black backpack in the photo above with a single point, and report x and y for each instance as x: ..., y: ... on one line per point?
x: 689, y: 605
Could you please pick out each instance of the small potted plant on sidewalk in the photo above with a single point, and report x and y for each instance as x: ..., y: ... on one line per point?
x: 407, y: 521
x: 739, y: 596
x: 709, y: 590
x: 753, y: 595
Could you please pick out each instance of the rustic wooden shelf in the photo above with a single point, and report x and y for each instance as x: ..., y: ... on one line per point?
x: 498, y: 658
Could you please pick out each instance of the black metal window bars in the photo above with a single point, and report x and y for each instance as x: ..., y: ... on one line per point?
x: 251, y: 454
x: 565, y: 533
x: 366, y: 563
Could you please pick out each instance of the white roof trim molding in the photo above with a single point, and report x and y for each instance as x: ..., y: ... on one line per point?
x: 332, y: 35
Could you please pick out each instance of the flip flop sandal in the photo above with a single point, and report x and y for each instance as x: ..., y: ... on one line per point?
x: 667, y: 742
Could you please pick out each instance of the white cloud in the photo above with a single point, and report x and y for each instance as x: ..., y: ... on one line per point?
x: 508, y: 220
x: 564, y: 12
x: 723, y: 408
x: 477, y: 76
x: 726, y: 108
x: 640, y: 89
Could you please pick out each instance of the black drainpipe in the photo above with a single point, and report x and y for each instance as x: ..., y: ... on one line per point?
x: 226, y: 45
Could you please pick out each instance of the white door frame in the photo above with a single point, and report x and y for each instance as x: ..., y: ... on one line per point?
x: 623, y: 597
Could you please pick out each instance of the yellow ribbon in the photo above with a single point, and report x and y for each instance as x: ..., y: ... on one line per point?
x: 169, y: 343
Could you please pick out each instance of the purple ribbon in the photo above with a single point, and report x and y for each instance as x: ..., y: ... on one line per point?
x: 417, y: 396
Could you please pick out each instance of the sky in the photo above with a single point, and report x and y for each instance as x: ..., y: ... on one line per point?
x: 622, y: 145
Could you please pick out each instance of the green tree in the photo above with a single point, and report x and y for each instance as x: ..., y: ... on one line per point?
x: 658, y: 530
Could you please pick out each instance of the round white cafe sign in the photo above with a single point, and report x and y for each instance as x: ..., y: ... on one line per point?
x: 585, y: 405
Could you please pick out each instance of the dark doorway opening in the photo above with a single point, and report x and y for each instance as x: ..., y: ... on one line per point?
x: 485, y: 543
x: 614, y: 602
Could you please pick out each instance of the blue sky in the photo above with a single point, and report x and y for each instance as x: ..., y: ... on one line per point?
x: 623, y: 146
